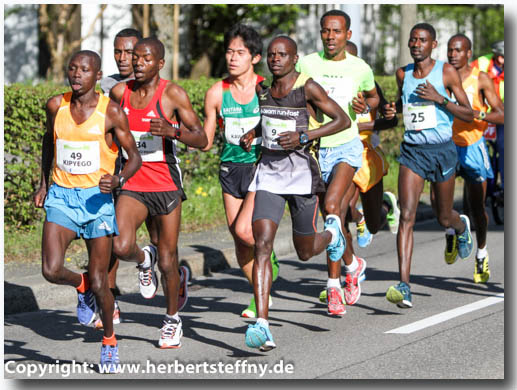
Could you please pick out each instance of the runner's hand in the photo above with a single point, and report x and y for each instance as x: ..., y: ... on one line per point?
x: 390, y: 111
x: 289, y: 139
x: 359, y: 103
x: 428, y: 92
x: 108, y: 183
x: 247, y: 139
x: 39, y: 197
x: 160, y: 127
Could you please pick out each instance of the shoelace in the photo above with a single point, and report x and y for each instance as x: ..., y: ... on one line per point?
x: 334, y: 297
x: 146, y: 277
x: 168, y: 330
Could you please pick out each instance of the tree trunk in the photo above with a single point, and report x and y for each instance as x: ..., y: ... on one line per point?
x: 176, y: 47
x: 163, y: 14
x: 408, y: 18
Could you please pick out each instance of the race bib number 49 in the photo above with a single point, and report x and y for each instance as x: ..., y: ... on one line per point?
x: 149, y: 146
x: 78, y: 157
x: 235, y: 128
x: 419, y: 116
x: 272, y: 127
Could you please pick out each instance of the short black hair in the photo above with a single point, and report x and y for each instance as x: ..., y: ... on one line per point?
x: 425, y: 26
x: 89, y: 53
x: 156, y: 44
x: 291, y: 41
x: 250, y: 37
x: 464, y: 37
x: 337, y: 12
x: 129, y: 32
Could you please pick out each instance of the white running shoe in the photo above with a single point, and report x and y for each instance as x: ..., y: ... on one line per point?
x: 170, y: 334
x: 147, y: 276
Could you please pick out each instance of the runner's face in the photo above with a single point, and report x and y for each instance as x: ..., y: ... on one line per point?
x: 82, y: 74
x: 124, y: 55
x: 238, y: 57
x: 146, y: 65
x: 457, y: 53
x: 420, y: 44
x: 334, y: 35
x: 281, y: 58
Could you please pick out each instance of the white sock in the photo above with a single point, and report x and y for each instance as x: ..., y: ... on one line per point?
x: 333, y: 283
x: 333, y: 231
x: 353, y: 266
x: 263, y: 322
x: 450, y: 231
x: 481, y: 253
x: 173, y: 317
x: 147, y: 260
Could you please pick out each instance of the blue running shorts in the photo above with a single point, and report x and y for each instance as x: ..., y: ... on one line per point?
x: 350, y: 153
x: 475, y: 162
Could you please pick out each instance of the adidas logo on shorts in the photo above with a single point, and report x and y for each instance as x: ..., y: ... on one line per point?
x: 105, y: 226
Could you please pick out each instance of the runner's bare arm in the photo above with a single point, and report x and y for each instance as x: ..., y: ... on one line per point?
x: 117, y: 120
x: 213, y: 99
x: 319, y: 98
x: 47, y: 152
x: 194, y: 135
x: 496, y: 114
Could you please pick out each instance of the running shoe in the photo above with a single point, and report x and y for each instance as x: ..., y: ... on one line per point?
x: 110, y: 361
x: 147, y: 276
x: 336, y: 250
x: 251, y: 310
x: 400, y: 295
x: 258, y: 336
x: 116, y: 317
x: 353, y: 282
x: 183, y: 293
x: 364, y: 237
x: 481, y: 271
x: 170, y: 334
x: 275, y: 265
x: 451, y: 248
x: 393, y: 215
x: 335, y: 301
x: 465, y: 243
x: 86, y: 307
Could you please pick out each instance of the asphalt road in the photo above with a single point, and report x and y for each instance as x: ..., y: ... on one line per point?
x: 455, y: 329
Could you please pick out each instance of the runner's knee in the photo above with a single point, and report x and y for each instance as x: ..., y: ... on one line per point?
x: 52, y: 272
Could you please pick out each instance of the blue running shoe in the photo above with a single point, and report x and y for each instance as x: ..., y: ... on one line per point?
x: 400, y: 295
x: 364, y: 237
x: 336, y: 250
x: 465, y: 243
x: 86, y: 307
x: 258, y: 336
x: 110, y: 362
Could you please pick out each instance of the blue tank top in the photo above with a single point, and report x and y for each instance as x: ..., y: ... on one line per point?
x: 425, y: 122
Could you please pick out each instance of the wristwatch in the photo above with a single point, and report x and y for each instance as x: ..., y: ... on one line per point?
x: 367, y: 109
x: 304, y: 138
x: 482, y: 115
x: 445, y: 101
x: 121, y: 180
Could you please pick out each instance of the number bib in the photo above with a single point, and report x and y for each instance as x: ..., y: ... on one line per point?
x: 78, y: 157
x: 272, y: 127
x: 149, y: 146
x: 235, y: 128
x: 339, y: 90
x: 419, y: 116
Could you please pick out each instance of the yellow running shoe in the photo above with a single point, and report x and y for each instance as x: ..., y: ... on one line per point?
x: 451, y: 248
x: 481, y: 271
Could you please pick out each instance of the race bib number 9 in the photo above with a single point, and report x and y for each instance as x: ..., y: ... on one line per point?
x: 419, y: 116
x: 235, y: 128
x: 149, y: 146
x: 272, y: 127
x: 78, y: 157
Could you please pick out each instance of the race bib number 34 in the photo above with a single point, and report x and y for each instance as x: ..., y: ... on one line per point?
x: 235, y: 128
x: 78, y: 157
x: 149, y: 146
x: 272, y: 127
x: 419, y: 116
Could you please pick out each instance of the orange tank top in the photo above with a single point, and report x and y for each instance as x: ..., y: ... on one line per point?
x: 81, y: 155
x: 464, y: 133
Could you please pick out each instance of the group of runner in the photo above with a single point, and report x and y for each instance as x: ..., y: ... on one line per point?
x: 308, y: 139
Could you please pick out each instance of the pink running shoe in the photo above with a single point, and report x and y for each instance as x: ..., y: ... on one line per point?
x: 335, y: 301
x: 353, y: 282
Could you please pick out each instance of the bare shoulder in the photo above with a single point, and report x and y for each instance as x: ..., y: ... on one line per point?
x: 117, y: 91
x: 113, y: 110
x: 53, y: 103
x: 174, y: 90
x: 215, y: 90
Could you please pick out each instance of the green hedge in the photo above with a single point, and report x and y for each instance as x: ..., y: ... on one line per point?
x: 24, y: 125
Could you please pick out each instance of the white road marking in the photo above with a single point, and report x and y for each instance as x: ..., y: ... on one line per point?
x: 447, y: 315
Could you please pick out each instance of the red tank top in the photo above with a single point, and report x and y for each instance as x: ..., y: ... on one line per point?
x: 160, y: 170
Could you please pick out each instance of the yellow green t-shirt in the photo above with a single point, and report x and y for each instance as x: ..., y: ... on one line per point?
x: 342, y: 80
